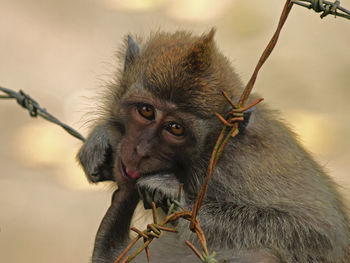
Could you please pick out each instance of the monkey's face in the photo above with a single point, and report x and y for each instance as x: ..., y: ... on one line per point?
x: 166, y: 100
x: 157, y: 136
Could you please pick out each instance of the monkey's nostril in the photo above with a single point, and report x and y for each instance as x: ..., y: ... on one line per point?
x: 142, y: 150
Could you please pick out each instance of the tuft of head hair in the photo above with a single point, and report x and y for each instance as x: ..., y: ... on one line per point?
x: 183, y: 69
x: 199, y: 57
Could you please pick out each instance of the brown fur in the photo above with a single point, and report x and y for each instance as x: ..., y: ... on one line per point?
x: 268, y: 200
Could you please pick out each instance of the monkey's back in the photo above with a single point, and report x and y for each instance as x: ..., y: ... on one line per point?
x: 286, y: 201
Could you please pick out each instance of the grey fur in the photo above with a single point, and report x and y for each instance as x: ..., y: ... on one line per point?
x: 268, y: 200
x: 93, y: 154
x: 159, y: 188
x: 131, y: 52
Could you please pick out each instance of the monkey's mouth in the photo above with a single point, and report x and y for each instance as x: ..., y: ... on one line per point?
x: 133, y: 175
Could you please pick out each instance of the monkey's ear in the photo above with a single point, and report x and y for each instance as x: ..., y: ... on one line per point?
x: 200, y: 54
x: 132, y: 52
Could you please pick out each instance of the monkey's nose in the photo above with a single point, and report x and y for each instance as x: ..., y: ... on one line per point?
x: 143, y: 149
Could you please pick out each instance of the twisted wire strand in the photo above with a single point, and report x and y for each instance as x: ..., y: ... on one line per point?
x: 326, y: 7
x: 35, y: 110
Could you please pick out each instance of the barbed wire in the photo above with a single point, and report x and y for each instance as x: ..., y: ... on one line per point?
x: 35, y: 110
x: 325, y: 7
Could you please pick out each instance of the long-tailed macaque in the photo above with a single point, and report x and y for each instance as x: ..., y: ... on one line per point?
x: 267, y: 201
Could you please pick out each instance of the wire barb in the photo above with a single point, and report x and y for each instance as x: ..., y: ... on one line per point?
x: 194, y: 249
x: 34, y: 109
x: 326, y: 7
x: 154, y: 213
x: 148, y: 254
x: 140, y: 233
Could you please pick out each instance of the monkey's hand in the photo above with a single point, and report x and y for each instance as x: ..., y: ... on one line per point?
x: 162, y: 189
x: 96, y: 156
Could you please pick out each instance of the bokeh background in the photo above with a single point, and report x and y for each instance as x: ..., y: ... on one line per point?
x: 62, y: 52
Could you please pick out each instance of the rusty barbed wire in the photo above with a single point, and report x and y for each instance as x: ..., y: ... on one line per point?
x: 35, y: 110
x: 155, y: 229
x: 326, y: 7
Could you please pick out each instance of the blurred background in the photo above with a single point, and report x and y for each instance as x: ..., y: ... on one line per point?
x: 62, y: 53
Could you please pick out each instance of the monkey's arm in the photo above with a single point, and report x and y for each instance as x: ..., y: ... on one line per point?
x: 250, y: 226
x: 113, y: 234
x: 96, y: 155
x: 98, y: 161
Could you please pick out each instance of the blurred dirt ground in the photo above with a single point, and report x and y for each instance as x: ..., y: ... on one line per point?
x: 61, y: 53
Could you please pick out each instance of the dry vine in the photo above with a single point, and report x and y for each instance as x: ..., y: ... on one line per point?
x: 236, y: 115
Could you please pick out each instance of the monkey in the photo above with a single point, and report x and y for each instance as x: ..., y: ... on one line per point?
x: 268, y: 199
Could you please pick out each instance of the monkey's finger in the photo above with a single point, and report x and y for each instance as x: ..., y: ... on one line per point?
x: 142, y: 196
x: 146, y: 197
x: 165, y: 204
x: 158, y: 197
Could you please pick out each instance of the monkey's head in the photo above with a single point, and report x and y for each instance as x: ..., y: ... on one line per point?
x: 164, y: 102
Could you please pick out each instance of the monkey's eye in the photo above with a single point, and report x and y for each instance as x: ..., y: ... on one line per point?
x: 146, y: 111
x: 175, y: 128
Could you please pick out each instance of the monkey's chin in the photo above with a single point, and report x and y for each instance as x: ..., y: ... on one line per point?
x: 126, y: 172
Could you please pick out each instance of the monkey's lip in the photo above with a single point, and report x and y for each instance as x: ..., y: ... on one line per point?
x: 134, y: 175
